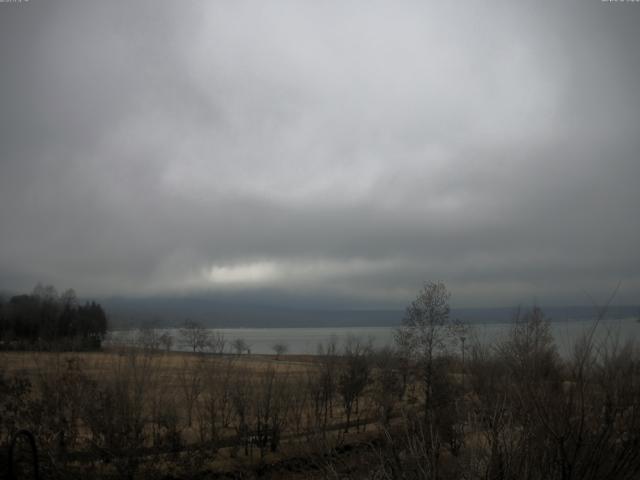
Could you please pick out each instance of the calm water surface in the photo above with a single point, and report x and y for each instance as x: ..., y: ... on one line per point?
x: 306, y: 340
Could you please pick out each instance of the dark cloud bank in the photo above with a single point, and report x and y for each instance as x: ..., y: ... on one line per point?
x: 333, y: 154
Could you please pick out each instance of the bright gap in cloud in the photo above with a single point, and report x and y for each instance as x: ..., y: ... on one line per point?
x: 288, y: 272
x: 251, y: 273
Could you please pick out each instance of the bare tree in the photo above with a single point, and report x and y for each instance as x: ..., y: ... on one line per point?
x: 530, y: 350
x: 148, y: 337
x: 166, y: 341
x: 240, y: 346
x: 195, y: 335
x: 217, y: 342
x: 280, y: 349
x: 424, y: 331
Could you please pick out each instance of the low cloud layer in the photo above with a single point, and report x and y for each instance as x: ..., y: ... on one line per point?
x: 329, y: 150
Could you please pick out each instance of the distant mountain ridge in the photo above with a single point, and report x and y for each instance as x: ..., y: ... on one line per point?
x: 172, y: 311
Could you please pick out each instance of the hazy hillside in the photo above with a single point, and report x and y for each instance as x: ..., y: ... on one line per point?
x: 171, y: 311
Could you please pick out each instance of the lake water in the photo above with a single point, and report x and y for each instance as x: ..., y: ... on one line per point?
x: 306, y: 340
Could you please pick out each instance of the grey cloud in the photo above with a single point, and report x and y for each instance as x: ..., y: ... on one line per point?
x: 322, y: 149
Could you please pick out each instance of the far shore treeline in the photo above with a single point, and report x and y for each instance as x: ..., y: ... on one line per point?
x: 45, y: 320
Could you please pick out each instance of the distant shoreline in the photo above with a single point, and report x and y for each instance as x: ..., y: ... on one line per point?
x: 305, y: 340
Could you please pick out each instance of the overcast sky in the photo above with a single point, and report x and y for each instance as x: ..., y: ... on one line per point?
x: 337, y: 151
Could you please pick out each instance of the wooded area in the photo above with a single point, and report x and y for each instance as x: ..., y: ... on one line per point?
x: 45, y: 320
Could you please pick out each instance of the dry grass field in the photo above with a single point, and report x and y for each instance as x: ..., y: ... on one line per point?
x: 99, y: 363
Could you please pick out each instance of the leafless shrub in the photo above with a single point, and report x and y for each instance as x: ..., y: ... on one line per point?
x: 354, y: 375
x: 299, y: 404
x: 116, y: 412
x: 190, y: 380
x: 216, y: 407
x: 15, y: 391
x: 327, y: 379
x: 148, y: 338
x: 240, y: 399
x: 271, y: 404
x: 388, y: 382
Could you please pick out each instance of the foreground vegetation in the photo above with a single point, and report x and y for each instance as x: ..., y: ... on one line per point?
x: 439, y: 405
